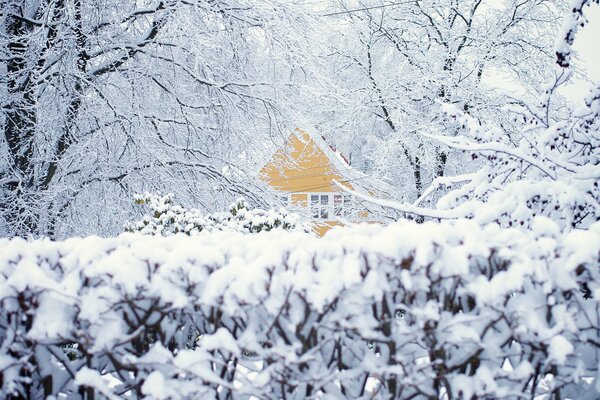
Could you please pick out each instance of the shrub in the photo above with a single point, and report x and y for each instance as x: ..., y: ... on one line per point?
x: 166, y: 218
x: 426, y: 311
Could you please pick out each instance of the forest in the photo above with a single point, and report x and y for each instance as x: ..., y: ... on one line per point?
x: 144, y: 256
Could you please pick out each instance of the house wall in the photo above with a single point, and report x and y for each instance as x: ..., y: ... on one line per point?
x: 303, y: 168
x: 299, y: 199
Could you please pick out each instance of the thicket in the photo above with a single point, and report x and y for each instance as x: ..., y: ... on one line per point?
x: 164, y: 217
x: 450, y: 310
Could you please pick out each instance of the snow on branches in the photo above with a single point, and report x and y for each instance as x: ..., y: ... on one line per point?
x: 551, y: 167
x: 575, y: 20
x: 547, y: 163
x: 426, y: 311
x: 166, y: 218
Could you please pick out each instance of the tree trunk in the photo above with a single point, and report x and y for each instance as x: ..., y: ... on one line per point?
x: 27, y: 177
x: 19, y: 130
x: 440, y: 157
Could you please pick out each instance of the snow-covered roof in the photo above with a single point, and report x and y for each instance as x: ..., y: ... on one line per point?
x: 358, y: 179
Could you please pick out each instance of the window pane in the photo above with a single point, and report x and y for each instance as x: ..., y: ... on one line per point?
x: 324, y: 212
x: 347, y: 205
x: 337, y: 202
x: 314, y: 205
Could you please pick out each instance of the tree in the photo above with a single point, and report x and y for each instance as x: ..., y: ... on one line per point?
x: 100, y: 99
x: 400, y: 59
x: 548, y: 167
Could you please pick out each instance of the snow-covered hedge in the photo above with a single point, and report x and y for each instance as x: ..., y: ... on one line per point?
x: 166, y: 218
x: 450, y: 310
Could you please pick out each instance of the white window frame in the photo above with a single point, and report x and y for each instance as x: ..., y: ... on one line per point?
x: 323, y: 205
x: 325, y: 208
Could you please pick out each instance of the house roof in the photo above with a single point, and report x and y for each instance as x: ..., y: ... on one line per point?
x: 338, y: 169
x: 359, y: 179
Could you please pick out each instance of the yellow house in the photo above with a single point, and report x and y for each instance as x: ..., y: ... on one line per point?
x: 304, y: 172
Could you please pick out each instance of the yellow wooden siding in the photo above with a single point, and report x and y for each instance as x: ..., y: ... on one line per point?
x: 299, y: 199
x: 302, y: 168
x: 322, y: 228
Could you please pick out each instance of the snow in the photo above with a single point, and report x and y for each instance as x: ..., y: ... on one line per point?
x: 91, y: 378
x: 493, y: 294
x: 177, y: 313
x: 559, y: 349
x: 156, y: 387
x: 221, y: 339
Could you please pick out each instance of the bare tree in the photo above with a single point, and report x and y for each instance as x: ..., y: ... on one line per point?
x: 103, y: 98
x: 399, y: 60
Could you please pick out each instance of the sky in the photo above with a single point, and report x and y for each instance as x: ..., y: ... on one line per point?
x: 587, y: 46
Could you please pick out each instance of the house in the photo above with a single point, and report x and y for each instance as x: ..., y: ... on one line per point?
x: 304, y: 172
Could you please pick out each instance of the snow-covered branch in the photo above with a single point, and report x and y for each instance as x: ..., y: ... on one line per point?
x: 463, y: 211
x: 463, y: 143
x: 370, y: 312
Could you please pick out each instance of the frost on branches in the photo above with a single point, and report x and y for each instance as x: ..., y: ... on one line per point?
x: 548, y: 165
x: 166, y: 218
x: 408, y: 311
x: 550, y: 168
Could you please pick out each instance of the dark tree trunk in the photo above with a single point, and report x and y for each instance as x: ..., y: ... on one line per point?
x: 27, y: 177
x: 19, y: 128
x: 441, y: 157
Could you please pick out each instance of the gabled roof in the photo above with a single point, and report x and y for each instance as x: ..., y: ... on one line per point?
x: 342, y: 166
x: 308, y: 154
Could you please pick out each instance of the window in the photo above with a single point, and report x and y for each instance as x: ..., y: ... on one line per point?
x: 329, y: 205
x: 314, y: 205
x: 338, y: 205
x: 324, y: 212
x: 347, y: 205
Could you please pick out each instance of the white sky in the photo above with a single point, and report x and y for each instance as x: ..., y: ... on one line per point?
x: 587, y: 47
